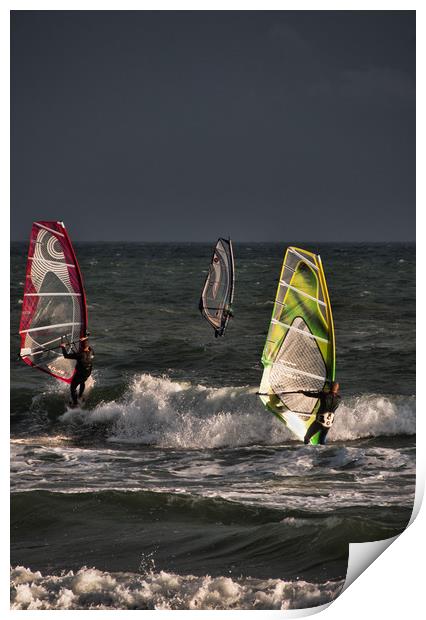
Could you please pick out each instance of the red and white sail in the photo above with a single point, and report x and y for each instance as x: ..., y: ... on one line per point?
x: 54, y: 303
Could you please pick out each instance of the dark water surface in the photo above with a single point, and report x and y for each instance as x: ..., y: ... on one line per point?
x: 174, y: 488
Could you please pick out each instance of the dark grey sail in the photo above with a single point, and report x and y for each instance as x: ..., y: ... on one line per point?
x: 218, y: 291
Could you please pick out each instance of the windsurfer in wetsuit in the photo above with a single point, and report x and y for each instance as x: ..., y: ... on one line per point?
x: 329, y: 401
x: 227, y: 314
x: 83, y: 367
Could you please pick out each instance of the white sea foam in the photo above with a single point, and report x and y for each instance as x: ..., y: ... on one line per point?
x: 156, y: 410
x: 374, y: 415
x: 90, y: 588
x: 168, y: 413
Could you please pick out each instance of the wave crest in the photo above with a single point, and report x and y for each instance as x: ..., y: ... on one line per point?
x: 173, y: 414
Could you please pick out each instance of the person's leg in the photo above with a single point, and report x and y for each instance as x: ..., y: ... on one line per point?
x: 323, y: 435
x: 82, y: 386
x: 314, y: 428
x: 73, y: 388
x: 309, y: 433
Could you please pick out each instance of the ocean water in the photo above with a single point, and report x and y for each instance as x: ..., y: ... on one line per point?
x: 174, y: 488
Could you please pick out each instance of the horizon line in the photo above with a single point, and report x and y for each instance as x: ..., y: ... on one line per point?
x: 186, y: 241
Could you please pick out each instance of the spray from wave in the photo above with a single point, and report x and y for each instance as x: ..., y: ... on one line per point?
x: 158, y: 411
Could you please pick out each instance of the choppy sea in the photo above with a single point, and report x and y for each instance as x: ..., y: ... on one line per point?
x: 174, y: 488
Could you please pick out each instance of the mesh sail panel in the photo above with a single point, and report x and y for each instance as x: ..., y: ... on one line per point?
x: 298, y: 365
x: 218, y: 289
x: 54, y: 304
x: 299, y: 352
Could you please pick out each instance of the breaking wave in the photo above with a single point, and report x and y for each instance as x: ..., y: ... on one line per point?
x: 166, y: 413
x: 89, y: 588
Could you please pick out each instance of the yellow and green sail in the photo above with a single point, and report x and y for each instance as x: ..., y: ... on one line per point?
x: 299, y: 352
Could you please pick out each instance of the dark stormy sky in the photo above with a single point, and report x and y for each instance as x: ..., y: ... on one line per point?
x: 268, y: 126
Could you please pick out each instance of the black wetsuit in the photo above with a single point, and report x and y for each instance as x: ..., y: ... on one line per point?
x: 83, y: 370
x: 325, y: 414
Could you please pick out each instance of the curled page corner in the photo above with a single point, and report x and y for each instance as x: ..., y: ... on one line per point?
x: 361, y: 555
